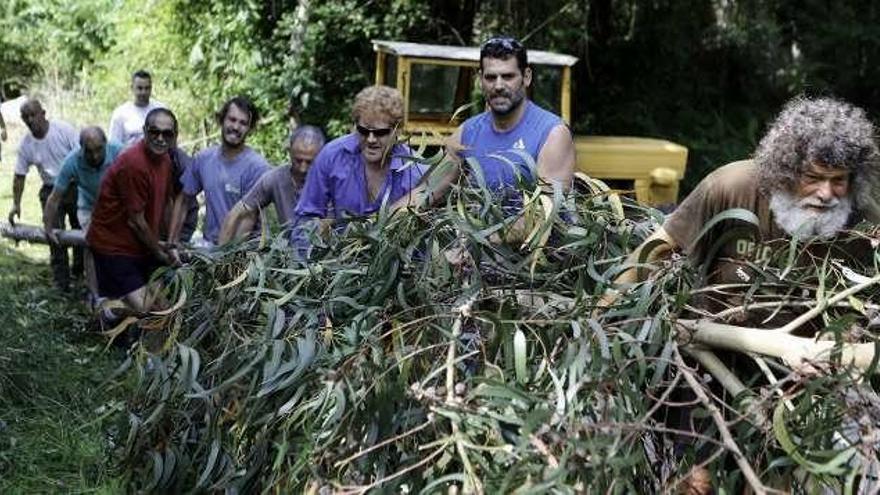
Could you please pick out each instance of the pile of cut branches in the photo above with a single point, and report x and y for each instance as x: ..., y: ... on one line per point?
x: 415, y: 352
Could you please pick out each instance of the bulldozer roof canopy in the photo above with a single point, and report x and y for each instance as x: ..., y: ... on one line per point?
x: 464, y: 53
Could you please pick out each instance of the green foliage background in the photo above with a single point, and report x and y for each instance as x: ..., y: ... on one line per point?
x: 707, y: 74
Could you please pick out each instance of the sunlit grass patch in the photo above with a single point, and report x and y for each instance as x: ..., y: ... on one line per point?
x: 56, y: 417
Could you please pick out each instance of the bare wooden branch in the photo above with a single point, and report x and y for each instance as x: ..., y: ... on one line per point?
x: 718, y: 419
x: 825, y: 303
x: 383, y: 443
x: 791, y: 349
x: 32, y: 233
x: 717, y: 369
x: 728, y: 379
x: 771, y: 378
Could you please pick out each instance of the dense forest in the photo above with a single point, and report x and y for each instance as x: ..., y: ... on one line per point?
x: 705, y: 73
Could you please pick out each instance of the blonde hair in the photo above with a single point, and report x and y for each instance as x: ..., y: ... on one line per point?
x: 383, y: 100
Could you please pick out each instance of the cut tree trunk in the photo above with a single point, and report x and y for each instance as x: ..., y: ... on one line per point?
x: 791, y: 349
x: 32, y: 233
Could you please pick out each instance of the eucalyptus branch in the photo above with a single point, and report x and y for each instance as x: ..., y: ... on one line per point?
x: 825, y: 303
x: 399, y: 311
x: 717, y: 369
x: 726, y: 436
x: 791, y: 349
x: 728, y: 379
x: 771, y: 378
x: 472, y: 482
x: 383, y: 443
x: 660, y: 401
x: 366, y: 488
x: 544, y: 450
x: 719, y: 288
x: 768, y: 305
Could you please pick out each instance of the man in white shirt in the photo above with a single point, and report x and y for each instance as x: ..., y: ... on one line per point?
x: 3, y: 134
x: 46, y: 147
x: 127, y: 121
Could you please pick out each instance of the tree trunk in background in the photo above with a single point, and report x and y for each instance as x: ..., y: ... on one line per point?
x: 600, y: 22
x: 300, y: 22
x: 598, y: 30
x: 457, y: 18
x: 297, y: 38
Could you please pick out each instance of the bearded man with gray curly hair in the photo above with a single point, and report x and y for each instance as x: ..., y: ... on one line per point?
x: 812, y: 176
x: 812, y: 140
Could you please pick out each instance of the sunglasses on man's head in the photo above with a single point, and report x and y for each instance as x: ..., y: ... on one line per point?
x: 366, y: 131
x: 168, y: 134
x: 503, y: 42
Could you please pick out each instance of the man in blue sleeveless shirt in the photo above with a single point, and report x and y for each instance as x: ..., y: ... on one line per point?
x: 514, y: 140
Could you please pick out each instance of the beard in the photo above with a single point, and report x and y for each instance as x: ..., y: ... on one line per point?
x: 797, y: 219
x: 515, y: 99
x: 232, y: 139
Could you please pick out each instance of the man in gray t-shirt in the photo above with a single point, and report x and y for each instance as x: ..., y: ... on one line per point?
x: 224, y: 172
x: 280, y: 187
x: 46, y: 147
x: 180, y: 161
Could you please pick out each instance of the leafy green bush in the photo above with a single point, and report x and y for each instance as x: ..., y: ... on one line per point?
x: 381, y: 363
x: 415, y: 352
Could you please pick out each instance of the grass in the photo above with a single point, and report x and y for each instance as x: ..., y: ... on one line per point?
x: 57, y: 418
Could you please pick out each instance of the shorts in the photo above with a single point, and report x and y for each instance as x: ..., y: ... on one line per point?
x: 119, y: 274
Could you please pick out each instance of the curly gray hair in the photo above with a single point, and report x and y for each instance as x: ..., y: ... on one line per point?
x: 824, y: 130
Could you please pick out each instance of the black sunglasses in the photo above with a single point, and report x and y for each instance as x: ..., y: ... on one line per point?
x: 366, y: 131
x: 168, y: 134
x: 506, y: 43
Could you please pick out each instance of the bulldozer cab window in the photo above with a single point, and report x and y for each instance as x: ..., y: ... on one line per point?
x: 546, y: 87
x: 389, y: 77
x: 437, y: 91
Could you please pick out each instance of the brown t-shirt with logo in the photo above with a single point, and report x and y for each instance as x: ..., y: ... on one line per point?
x: 736, y: 249
x: 733, y: 241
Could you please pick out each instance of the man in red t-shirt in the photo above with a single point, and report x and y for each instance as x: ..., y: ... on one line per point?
x: 129, y: 214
